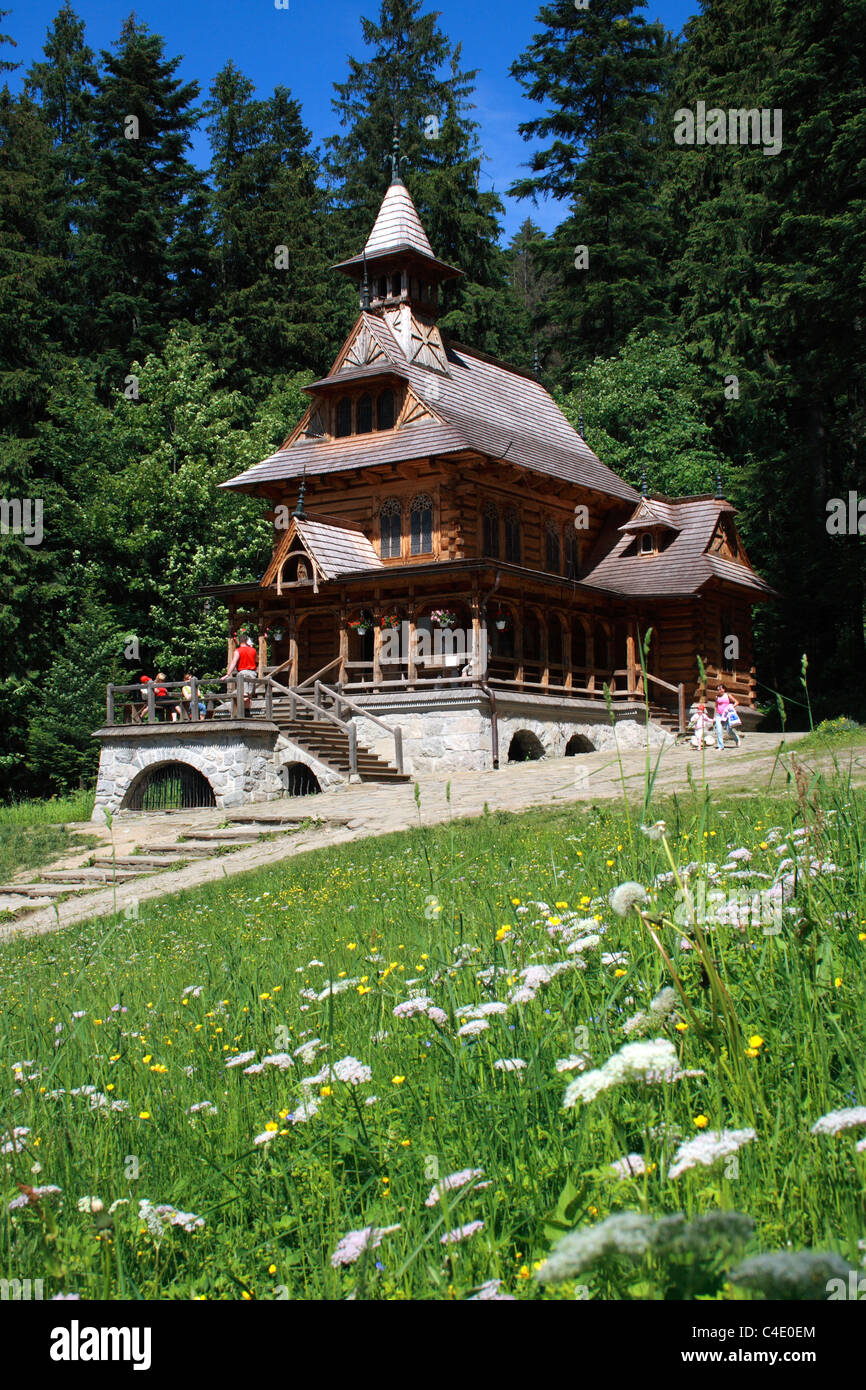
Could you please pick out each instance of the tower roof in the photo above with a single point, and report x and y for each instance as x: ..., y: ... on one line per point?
x: 398, y: 231
x: 398, y: 226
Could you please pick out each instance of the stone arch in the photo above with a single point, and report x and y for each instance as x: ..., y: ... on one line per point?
x: 578, y: 743
x: 171, y: 784
x: 525, y: 746
x: 299, y: 779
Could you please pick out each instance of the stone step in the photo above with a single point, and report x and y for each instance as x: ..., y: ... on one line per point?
x: 201, y: 848
x: 192, y: 849
x: 45, y: 890
x: 98, y: 873
x: 18, y: 905
x: 238, y: 836
x: 137, y: 861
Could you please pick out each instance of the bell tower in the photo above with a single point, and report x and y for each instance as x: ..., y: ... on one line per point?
x: 399, y: 277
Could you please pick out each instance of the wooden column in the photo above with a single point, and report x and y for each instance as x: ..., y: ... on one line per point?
x: 344, y: 645
x: 377, y: 645
x: 479, y: 665
x: 518, y: 642
x: 590, y: 655
x: 411, y: 671
x: 545, y: 651
x: 631, y: 659
x: 293, y: 650
x: 263, y: 651
x: 566, y: 656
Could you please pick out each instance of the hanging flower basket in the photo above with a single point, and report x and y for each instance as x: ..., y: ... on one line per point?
x: 361, y: 624
x: 444, y: 617
x: 390, y: 620
x: 500, y: 617
x: 276, y: 634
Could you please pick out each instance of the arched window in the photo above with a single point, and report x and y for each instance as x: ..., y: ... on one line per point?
x: 344, y: 417
x: 491, y: 530
x: 647, y: 543
x: 385, y: 411
x: 553, y: 559
x: 421, y: 516
x: 572, y: 567
x: 512, y: 536
x: 554, y: 641
x: 578, y: 644
x: 390, y: 529
x: 365, y: 415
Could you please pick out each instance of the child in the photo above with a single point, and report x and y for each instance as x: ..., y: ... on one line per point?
x: 699, y: 721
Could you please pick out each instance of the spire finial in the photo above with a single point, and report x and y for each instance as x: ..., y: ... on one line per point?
x: 644, y: 490
x: 720, y: 495
x: 299, y: 509
x: 365, y: 287
x: 395, y: 157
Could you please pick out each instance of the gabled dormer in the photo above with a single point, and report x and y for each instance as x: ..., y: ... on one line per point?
x: 650, y: 527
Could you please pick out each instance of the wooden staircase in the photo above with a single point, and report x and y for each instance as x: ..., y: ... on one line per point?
x: 319, y: 719
x: 330, y: 745
x: 665, y: 717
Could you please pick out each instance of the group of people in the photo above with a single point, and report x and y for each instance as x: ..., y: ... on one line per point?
x: 244, y: 661
x: 724, y: 718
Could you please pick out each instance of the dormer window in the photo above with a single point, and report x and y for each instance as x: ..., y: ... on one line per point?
x: 647, y: 543
x: 344, y: 417
x: 365, y: 415
x: 385, y: 411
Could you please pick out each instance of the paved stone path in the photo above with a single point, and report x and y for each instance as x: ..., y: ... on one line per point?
x: 355, y: 812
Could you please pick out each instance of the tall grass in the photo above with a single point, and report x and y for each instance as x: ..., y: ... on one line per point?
x: 149, y: 1011
x: 55, y: 810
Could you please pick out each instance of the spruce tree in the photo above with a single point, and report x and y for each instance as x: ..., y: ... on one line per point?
x: 275, y: 308
x: 143, y: 255
x: 413, y: 81
x: 600, y: 73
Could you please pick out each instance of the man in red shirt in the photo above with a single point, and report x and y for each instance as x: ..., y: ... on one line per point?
x: 246, y: 662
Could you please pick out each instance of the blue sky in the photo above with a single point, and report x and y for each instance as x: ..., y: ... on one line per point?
x: 305, y: 47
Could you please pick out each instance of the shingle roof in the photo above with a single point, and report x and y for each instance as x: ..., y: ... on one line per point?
x: 683, y: 567
x: 398, y: 225
x: 337, y: 550
x: 480, y: 404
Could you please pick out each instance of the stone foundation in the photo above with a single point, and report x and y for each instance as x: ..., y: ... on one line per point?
x: 241, y: 760
x: 452, y: 731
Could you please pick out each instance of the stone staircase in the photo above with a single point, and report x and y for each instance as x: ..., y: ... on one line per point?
x: 100, y: 868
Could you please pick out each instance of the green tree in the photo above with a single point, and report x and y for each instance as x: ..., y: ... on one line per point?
x: 413, y: 80
x: 600, y: 74
x: 642, y: 416
x: 276, y: 308
x: 144, y: 255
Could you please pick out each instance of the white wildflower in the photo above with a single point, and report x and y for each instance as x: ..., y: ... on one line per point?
x: 631, y: 1166
x: 419, y: 1005
x: 91, y: 1204
x: 352, y: 1072
x: 709, y: 1147
x: 462, y: 1233
x: 837, y: 1120
x: 453, y: 1181
x: 265, y: 1137
x: 241, y: 1059
x: 471, y: 1029
x: 203, y: 1106
x: 352, y: 1245
x: 305, y: 1111
x: 509, y: 1064
x: 308, y: 1050
x: 655, y: 831
x: 337, y: 987
x: 581, y: 944
x: 437, y: 1016
x: 491, y: 1291
x: 627, y: 896
x: 625, y: 1233
x: 576, y: 1062
x: 482, y: 1010
x: 647, y: 1062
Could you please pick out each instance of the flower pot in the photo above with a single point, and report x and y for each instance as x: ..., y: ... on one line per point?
x: 500, y: 624
x: 362, y: 628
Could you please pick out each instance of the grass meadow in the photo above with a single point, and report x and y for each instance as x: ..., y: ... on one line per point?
x: 34, y: 832
x: 469, y: 1061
